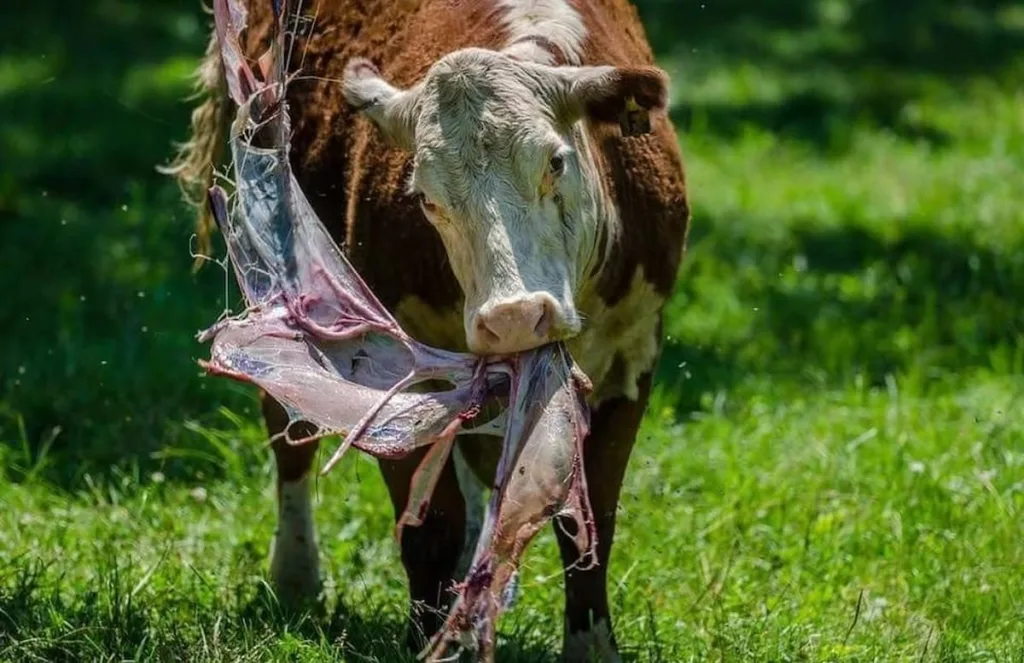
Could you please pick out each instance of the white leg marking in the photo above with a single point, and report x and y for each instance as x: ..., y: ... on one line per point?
x: 294, y: 560
x: 593, y: 646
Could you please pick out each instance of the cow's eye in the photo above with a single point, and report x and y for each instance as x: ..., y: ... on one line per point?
x: 557, y: 165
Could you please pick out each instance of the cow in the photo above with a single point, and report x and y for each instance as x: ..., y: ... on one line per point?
x: 503, y: 175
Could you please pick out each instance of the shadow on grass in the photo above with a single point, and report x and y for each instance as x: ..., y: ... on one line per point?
x: 829, y: 304
x: 838, y: 63
x: 382, y: 638
x: 813, y: 117
x: 101, y: 309
x: 111, y: 621
x: 947, y: 38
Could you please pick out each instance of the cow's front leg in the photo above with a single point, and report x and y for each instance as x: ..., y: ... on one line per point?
x: 294, y: 560
x: 431, y: 551
x: 588, y: 636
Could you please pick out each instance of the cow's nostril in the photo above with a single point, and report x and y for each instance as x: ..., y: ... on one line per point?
x: 486, y: 332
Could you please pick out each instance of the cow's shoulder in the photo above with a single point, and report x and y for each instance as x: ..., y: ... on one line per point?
x: 621, y: 339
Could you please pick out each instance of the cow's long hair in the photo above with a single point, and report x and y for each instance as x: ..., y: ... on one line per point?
x: 198, y: 157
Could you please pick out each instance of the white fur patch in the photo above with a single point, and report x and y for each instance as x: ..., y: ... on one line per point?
x: 294, y: 560
x: 628, y: 329
x: 593, y: 646
x: 554, y: 20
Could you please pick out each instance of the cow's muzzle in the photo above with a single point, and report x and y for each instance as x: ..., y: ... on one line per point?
x: 519, y: 323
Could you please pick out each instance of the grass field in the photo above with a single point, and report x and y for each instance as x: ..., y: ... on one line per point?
x: 832, y: 468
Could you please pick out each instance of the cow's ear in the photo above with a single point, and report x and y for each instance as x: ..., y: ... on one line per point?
x: 626, y: 95
x: 392, y: 110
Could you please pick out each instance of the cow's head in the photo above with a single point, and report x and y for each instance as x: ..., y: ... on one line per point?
x: 502, y: 169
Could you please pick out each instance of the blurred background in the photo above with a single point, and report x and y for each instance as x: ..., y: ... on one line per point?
x: 845, y: 343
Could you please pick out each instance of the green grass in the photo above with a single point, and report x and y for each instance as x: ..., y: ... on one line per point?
x: 832, y: 468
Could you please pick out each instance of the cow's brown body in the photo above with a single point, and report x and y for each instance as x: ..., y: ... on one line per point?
x: 356, y: 181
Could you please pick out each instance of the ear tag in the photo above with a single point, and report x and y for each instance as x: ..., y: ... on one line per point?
x: 634, y: 120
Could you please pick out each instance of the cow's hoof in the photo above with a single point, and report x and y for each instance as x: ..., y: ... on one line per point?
x: 592, y: 646
x: 294, y: 577
x: 422, y: 626
x: 296, y: 586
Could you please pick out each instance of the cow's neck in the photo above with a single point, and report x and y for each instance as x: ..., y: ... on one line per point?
x: 604, y: 223
x: 620, y: 337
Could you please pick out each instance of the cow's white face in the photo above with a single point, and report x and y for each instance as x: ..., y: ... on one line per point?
x: 503, y: 171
